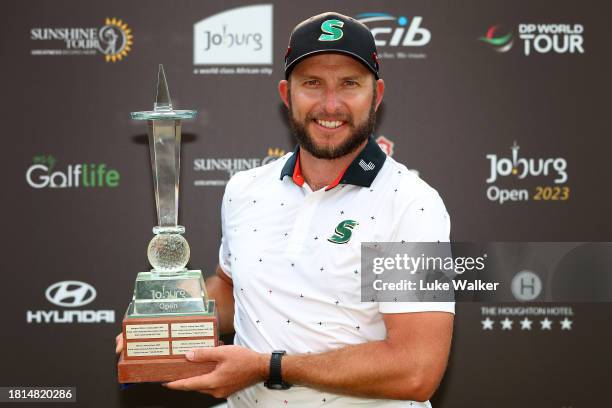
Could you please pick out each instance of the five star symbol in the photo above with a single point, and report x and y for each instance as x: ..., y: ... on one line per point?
x: 487, y: 324
x: 506, y: 324
x: 526, y: 323
x: 566, y: 324
x: 546, y: 324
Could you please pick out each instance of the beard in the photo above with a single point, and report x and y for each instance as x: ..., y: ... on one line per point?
x: 359, y: 133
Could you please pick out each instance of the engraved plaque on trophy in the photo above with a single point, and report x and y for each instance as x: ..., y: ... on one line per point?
x: 170, y: 312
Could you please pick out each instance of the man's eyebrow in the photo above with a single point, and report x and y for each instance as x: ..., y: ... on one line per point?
x: 353, y: 77
x: 306, y: 75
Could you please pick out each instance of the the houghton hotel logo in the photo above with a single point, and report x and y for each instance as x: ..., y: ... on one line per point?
x: 235, y: 41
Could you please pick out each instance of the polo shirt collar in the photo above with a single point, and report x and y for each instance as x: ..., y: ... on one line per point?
x: 361, y: 172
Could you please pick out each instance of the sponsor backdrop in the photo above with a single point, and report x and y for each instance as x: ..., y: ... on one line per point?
x: 501, y: 106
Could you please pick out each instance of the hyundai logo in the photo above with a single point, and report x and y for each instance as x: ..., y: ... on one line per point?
x: 70, y: 293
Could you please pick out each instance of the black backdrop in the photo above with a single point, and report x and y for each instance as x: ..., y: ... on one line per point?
x: 450, y: 105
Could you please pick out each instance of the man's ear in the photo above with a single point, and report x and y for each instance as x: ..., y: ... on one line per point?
x: 283, y: 91
x: 380, y: 91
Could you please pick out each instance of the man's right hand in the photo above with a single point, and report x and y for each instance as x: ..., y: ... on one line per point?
x: 119, y: 343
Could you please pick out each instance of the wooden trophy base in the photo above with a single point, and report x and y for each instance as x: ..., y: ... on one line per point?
x: 154, y: 347
x: 159, y: 370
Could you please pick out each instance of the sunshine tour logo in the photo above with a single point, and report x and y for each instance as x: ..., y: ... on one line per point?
x: 538, y: 38
x: 521, y: 168
x: 231, y: 165
x: 41, y: 174
x: 114, y: 40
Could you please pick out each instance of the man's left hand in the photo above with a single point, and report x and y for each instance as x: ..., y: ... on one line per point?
x: 237, y: 368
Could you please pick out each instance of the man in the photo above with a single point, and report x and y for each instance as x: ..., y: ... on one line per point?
x: 288, y: 276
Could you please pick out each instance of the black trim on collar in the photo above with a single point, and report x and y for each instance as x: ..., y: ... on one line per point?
x: 361, y: 172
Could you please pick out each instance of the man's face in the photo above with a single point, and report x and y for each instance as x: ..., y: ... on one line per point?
x: 332, y: 101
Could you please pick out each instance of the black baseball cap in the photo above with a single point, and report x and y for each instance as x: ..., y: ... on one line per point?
x: 331, y: 32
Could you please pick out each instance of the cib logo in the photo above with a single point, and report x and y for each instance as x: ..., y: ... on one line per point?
x: 394, y: 31
x: 70, y: 293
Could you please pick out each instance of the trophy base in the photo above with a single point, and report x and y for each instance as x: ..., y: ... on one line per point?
x: 159, y: 370
x: 154, y: 347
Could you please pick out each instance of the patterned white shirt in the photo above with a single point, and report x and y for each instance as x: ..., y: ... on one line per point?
x: 296, y: 276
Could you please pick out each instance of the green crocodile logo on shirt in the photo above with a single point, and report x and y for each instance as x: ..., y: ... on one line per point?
x: 343, y: 232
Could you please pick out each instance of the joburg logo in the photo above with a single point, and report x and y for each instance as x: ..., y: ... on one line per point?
x: 232, y: 166
x: 332, y: 30
x: 41, y: 175
x: 500, y: 43
x: 240, y: 36
x: 521, y: 168
x: 395, y: 34
x: 114, y: 40
x: 539, y: 38
x: 343, y: 232
x: 70, y: 294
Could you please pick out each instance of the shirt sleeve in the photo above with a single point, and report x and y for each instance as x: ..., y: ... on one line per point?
x: 224, y: 252
x: 425, y: 219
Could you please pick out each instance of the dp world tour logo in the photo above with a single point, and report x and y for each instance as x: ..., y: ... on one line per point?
x: 499, y: 40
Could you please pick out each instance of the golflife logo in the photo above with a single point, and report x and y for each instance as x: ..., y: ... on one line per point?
x: 41, y: 174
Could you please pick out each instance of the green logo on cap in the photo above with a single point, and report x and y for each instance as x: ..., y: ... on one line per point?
x: 332, y: 30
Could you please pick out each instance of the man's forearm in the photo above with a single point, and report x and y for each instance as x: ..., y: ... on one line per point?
x: 375, y: 369
x: 222, y: 293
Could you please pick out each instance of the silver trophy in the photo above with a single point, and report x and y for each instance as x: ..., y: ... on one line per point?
x: 170, y: 312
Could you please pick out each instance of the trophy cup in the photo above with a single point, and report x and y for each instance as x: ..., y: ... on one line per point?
x: 170, y: 312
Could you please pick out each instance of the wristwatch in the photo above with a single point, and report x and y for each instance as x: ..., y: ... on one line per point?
x: 275, y: 380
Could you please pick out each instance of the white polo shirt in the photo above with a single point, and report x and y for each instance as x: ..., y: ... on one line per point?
x: 294, y: 257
